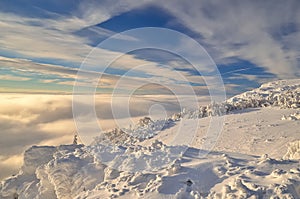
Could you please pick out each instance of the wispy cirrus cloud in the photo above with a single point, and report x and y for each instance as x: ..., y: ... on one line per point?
x: 52, y: 77
x: 14, y: 78
x: 265, y: 33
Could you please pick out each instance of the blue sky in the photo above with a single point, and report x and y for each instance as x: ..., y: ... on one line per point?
x: 43, y: 43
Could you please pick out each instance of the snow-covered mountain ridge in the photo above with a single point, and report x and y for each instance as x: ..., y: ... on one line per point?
x: 240, y: 170
x: 282, y: 93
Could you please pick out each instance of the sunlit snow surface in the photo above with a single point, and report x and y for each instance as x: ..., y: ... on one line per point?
x: 256, y: 156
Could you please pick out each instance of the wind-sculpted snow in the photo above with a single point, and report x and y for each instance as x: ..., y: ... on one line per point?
x: 73, y: 171
x: 147, y: 128
x: 284, y: 94
x: 293, y: 116
x: 144, y: 129
x: 137, y: 158
x: 54, y: 172
x: 293, y: 152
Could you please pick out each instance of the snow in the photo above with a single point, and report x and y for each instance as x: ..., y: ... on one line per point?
x: 294, y: 116
x: 293, y: 152
x: 256, y: 156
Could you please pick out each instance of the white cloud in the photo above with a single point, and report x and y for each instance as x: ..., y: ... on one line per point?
x: 54, y: 39
x: 17, y: 35
x: 244, y: 30
x: 10, y: 165
x: 13, y: 78
x: 51, y: 39
x: 165, y: 76
x: 233, y: 31
x: 95, y: 12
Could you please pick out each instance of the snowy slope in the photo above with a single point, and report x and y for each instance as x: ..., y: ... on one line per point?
x: 256, y: 156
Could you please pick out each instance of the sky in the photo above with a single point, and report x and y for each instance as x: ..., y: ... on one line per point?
x: 47, y: 47
x: 43, y: 44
